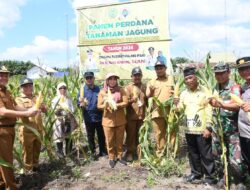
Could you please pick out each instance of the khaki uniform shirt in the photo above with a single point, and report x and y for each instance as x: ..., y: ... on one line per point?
x: 36, y: 121
x: 114, y: 118
x: 8, y: 102
x: 163, y: 90
x: 136, y: 110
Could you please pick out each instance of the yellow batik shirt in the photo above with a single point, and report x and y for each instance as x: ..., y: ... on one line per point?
x: 198, y: 113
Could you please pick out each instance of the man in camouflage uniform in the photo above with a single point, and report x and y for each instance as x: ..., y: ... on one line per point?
x: 228, y: 112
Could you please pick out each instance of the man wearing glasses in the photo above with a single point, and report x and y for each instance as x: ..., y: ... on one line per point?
x: 162, y: 89
x: 92, y: 116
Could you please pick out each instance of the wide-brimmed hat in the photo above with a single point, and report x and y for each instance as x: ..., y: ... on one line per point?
x: 3, y: 69
x: 112, y: 75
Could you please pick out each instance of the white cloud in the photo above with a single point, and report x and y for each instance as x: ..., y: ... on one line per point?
x: 41, y: 47
x: 200, y: 26
x: 10, y: 13
x: 81, y: 3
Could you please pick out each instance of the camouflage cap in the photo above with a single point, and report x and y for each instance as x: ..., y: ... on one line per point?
x: 243, y: 62
x: 3, y: 69
x: 221, y: 67
x: 25, y: 80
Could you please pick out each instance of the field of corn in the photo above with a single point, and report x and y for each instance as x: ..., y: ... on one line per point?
x: 79, y: 172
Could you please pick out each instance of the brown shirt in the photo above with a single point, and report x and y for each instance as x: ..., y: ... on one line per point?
x: 28, y: 102
x: 161, y: 89
x: 8, y: 102
x: 136, y: 109
x: 114, y: 118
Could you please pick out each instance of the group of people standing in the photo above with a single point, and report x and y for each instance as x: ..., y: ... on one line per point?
x: 213, y: 120
x: 118, y: 124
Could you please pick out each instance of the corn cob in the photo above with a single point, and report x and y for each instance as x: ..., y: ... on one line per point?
x: 62, y: 99
x: 239, y: 101
x: 236, y: 99
x: 108, y: 101
x: 39, y: 101
x: 82, y: 91
x: 136, y: 92
x: 176, y: 90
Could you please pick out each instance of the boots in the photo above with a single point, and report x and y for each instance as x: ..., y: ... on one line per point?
x: 68, y: 147
x: 59, y: 149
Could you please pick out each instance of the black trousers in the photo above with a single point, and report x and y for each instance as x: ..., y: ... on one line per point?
x: 245, y: 150
x: 91, y: 128
x: 200, y: 156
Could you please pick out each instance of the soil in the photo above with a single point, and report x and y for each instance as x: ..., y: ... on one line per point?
x: 97, y: 175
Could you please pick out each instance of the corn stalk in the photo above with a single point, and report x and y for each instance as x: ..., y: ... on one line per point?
x: 223, y: 147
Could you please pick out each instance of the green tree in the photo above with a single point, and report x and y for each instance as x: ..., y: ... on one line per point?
x: 17, y: 67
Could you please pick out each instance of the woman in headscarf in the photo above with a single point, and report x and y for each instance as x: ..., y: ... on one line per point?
x: 112, y: 99
x: 65, y: 122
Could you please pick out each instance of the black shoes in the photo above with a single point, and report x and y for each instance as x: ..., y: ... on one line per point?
x: 191, y: 178
x: 123, y: 162
x: 103, y: 154
x: 112, y: 163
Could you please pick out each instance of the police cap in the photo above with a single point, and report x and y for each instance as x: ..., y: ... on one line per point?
x: 25, y: 80
x: 3, y: 69
x: 136, y: 70
x: 88, y: 74
x: 221, y: 67
x: 243, y: 62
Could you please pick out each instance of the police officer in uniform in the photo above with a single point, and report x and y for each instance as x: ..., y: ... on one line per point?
x: 243, y: 65
x: 30, y: 142
x: 9, y: 111
x: 135, y: 111
x: 228, y: 111
x: 161, y: 88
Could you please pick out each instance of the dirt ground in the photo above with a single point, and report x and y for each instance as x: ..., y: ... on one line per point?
x: 97, y: 175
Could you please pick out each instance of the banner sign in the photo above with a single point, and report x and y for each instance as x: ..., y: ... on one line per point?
x: 119, y: 37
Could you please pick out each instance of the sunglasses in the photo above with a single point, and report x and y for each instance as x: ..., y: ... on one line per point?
x: 87, y: 78
x: 63, y: 88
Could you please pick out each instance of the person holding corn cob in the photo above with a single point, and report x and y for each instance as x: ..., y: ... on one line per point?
x: 9, y: 111
x: 162, y: 89
x: 136, y: 91
x: 198, y: 123
x: 31, y: 143
x: 228, y: 111
x: 243, y: 65
x: 65, y: 122
x: 112, y: 99
x: 87, y: 101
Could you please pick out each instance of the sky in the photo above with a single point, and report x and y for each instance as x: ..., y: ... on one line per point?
x: 38, y: 30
